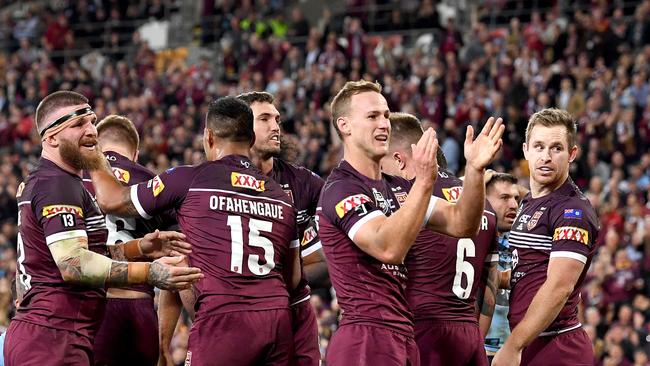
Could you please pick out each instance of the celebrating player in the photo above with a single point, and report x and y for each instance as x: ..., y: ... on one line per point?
x: 501, y: 190
x: 444, y: 273
x: 553, y: 240
x: 62, y: 245
x: 243, y: 234
x: 130, y: 324
x: 368, y: 222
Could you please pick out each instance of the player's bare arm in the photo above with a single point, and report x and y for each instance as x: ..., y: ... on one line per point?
x: 316, y: 270
x: 79, y: 265
x: 463, y: 219
x: 169, y: 310
x: 292, y: 271
x: 111, y: 195
x: 152, y: 246
x: 562, y: 276
x: 388, y: 239
x: 486, y: 298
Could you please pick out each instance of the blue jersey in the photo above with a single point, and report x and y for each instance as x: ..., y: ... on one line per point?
x: 500, y: 329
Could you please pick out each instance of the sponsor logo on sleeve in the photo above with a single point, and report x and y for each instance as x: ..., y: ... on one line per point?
x: 401, y: 197
x: 53, y: 210
x: 350, y: 203
x: 157, y: 185
x: 572, y: 213
x: 308, y: 236
x: 19, y: 191
x: 246, y: 181
x: 289, y: 193
x: 122, y: 175
x: 452, y: 194
x: 571, y: 233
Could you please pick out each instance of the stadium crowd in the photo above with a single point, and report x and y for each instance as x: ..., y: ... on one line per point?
x: 593, y: 61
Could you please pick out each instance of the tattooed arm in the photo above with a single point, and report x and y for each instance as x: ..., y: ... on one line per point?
x: 112, y: 196
x: 487, y: 298
x: 79, y: 265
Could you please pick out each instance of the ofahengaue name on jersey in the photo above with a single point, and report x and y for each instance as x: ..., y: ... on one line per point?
x: 253, y: 206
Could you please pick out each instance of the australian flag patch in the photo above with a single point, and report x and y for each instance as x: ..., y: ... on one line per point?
x: 572, y: 213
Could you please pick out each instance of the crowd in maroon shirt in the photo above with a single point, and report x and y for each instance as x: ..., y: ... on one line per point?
x: 588, y: 58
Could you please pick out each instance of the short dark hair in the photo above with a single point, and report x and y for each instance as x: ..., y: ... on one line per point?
x: 341, y: 103
x: 501, y: 177
x: 230, y: 118
x: 119, y: 129
x: 406, y: 129
x: 256, y: 97
x: 550, y: 117
x: 58, y: 99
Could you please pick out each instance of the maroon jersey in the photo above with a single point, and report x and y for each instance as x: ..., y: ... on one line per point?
x: 560, y: 224
x: 303, y: 187
x: 123, y: 229
x: 240, y: 224
x: 368, y: 290
x: 53, y: 205
x: 445, y: 272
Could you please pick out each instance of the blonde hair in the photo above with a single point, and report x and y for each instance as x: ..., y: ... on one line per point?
x: 341, y: 103
x: 550, y: 117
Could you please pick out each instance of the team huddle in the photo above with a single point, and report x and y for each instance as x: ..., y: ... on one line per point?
x: 412, y: 252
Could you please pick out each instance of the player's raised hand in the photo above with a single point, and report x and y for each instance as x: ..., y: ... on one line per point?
x: 480, y: 152
x: 424, y: 157
x: 507, y: 356
x: 172, y: 273
x: 164, y: 243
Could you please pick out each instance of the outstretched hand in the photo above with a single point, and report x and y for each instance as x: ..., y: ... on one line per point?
x: 164, y: 243
x: 480, y: 152
x: 172, y: 273
x: 424, y: 157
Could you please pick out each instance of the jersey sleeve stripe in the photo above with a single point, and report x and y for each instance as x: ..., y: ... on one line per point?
x: 136, y: 202
x: 355, y: 228
x: 51, y: 239
x: 567, y: 254
x: 312, y: 248
x: 432, y: 205
x: 294, y: 244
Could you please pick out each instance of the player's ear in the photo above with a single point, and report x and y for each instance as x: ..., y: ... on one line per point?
x: 343, y: 125
x: 136, y: 155
x: 252, y: 140
x: 573, y: 153
x: 53, y: 141
x: 524, y: 147
x: 399, y: 159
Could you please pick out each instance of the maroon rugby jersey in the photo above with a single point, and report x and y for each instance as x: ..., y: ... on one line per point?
x: 368, y: 291
x: 445, y: 272
x: 240, y: 224
x: 122, y: 229
x: 53, y: 205
x: 303, y: 188
x: 560, y: 224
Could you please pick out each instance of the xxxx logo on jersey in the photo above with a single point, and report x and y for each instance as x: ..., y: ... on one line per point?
x: 157, y: 185
x: 350, y: 203
x: 452, y: 194
x: 122, y: 175
x: 309, y: 235
x: 571, y: 233
x: 246, y: 181
x: 53, y: 210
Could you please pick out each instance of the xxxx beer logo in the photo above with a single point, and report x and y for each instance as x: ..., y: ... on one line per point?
x: 122, y: 175
x: 452, y: 194
x: 53, y: 210
x: 157, y: 185
x: 350, y: 203
x: 571, y: 233
x: 246, y: 181
x: 21, y: 188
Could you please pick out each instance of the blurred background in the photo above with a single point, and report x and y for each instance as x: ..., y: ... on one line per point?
x: 451, y: 63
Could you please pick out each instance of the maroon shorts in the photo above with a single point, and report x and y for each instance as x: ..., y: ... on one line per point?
x: 362, y: 344
x: 128, y: 335
x: 241, y: 338
x: 27, y: 344
x: 450, y: 343
x: 305, y: 335
x: 570, y: 348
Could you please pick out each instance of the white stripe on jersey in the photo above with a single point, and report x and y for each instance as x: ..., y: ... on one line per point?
x: 314, y: 247
x: 51, y: 239
x: 567, y: 254
x: 360, y: 223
